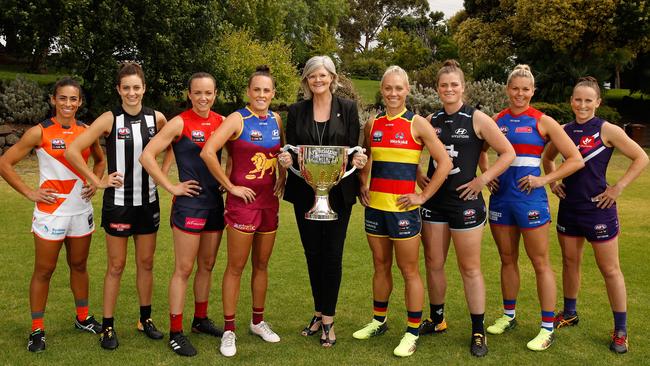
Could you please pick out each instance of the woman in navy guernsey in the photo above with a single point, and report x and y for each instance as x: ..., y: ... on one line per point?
x: 457, y: 210
x: 588, y: 206
x: 197, y: 209
x: 518, y: 205
x: 63, y: 213
x: 130, y: 206
x: 395, y: 139
x: 253, y: 136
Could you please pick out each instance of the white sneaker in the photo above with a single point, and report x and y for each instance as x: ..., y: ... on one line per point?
x: 264, y: 331
x: 228, y: 347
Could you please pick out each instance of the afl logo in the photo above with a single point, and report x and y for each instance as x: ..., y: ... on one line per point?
x: 460, y: 131
x: 533, y: 215
x: 58, y: 144
x: 403, y: 223
x: 504, y: 129
x: 399, y: 135
x: 438, y: 131
x: 600, y: 227
x: 469, y: 213
x: 123, y: 133
x: 198, y: 136
x: 377, y: 135
x: 256, y: 135
x: 152, y: 131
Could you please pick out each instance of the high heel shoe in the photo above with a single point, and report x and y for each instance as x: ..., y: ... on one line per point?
x: 308, y: 331
x: 327, y: 342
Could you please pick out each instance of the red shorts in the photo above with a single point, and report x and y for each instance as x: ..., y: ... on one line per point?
x: 249, y: 220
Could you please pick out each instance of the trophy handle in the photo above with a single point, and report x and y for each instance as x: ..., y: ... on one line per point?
x: 295, y: 150
x: 348, y: 152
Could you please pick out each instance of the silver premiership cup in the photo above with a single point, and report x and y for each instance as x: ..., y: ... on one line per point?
x: 322, y: 167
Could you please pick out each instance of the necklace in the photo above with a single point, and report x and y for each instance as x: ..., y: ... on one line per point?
x: 320, y: 134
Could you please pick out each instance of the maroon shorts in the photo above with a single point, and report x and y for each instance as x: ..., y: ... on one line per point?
x: 250, y: 220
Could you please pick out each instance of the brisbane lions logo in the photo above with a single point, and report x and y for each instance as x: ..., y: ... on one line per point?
x: 262, y: 164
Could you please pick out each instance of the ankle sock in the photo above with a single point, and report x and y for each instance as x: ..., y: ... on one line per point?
x: 379, y: 310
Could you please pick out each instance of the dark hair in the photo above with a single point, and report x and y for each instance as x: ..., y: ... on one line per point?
x: 200, y: 75
x: 67, y: 81
x: 128, y: 69
x: 590, y: 82
x: 448, y: 67
x: 262, y: 70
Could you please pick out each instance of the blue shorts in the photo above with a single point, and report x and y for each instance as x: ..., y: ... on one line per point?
x: 195, y: 220
x: 394, y: 225
x: 523, y: 214
x: 593, y: 224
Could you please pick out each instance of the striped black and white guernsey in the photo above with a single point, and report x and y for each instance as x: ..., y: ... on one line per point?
x: 124, y: 145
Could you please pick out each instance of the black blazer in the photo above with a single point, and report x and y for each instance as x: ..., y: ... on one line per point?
x: 343, y: 131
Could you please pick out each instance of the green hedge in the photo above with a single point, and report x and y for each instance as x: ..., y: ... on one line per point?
x: 563, y: 113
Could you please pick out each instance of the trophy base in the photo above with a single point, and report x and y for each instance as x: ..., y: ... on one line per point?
x: 321, y: 210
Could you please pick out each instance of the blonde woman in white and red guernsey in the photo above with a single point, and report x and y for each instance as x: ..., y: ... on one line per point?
x: 254, y: 137
x: 197, y: 210
x: 395, y: 139
x: 63, y: 213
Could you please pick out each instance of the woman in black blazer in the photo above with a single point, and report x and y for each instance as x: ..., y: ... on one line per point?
x: 322, y: 119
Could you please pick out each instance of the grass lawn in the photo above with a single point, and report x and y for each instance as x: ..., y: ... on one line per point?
x: 618, y: 94
x: 8, y: 72
x: 367, y: 89
x: 289, y: 303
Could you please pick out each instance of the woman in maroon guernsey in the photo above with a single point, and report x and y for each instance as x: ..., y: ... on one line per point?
x: 197, y: 211
x: 588, y: 206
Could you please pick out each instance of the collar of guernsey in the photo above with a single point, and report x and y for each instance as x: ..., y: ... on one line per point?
x: 395, y: 158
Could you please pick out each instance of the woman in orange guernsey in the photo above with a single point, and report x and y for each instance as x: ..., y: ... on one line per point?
x: 395, y: 140
x: 63, y: 212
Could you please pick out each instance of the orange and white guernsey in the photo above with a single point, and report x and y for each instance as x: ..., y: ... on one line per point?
x: 395, y: 158
x: 55, y: 171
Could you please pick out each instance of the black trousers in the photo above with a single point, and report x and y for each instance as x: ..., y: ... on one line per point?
x: 323, y: 244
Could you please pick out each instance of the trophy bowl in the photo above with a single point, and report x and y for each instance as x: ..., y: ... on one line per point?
x: 322, y: 167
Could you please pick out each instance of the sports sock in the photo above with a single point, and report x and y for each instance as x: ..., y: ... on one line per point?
x: 258, y: 315
x: 37, y: 320
x: 107, y: 322
x: 437, y: 312
x: 509, y: 308
x: 175, y: 323
x: 620, y: 321
x: 81, y: 306
x: 145, y: 313
x: 569, y: 306
x: 379, y: 310
x: 200, y: 310
x: 413, y: 322
x: 477, y: 323
x: 229, y: 323
x: 547, y: 320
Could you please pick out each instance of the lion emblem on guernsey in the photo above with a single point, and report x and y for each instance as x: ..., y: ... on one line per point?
x: 262, y: 164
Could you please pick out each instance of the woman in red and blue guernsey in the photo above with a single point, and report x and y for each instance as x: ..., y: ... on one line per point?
x: 254, y: 136
x: 395, y: 139
x: 588, y: 206
x: 519, y: 206
x: 197, y: 209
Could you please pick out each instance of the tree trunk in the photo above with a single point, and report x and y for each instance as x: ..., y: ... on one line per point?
x: 617, y: 79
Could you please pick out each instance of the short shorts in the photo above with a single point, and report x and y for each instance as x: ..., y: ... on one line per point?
x: 196, y: 220
x: 251, y: 220
x: 124, y: 221
x: 57, y: 228
x: 466, y: 217
x: 594, y: 224
x: 523, y: 214
x: 394, y: 225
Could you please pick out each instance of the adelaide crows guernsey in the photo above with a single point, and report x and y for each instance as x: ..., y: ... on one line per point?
x: 196, y: 131
x: 523, y: 133
x: 395, y: 157
x: 254, y: 159
x: 55, y: 171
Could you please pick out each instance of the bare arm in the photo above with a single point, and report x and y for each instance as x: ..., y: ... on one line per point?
x: 168, y: 159
x: 99, y: 165
x: 548, y: 162
x: 278, y: 189
x: 364, y: 195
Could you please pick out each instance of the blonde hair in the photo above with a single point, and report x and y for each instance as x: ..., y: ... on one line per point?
x: 589, y: 82
x: 521, y: 71
x: 312, y: 65
x: 394, y: 69
x: 448, y: 67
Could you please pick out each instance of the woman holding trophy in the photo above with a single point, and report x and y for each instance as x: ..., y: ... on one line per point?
x: 322, y: 119
x: 395, y: 139
x: 253, y: 136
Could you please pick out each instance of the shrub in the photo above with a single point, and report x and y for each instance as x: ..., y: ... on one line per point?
x: 609, y: 114
x: 423, y: 100
x: 488, y: 95
x: 426, y: 76
x: 367, y: 67
x: 23, y: 101
x: 561, y: 112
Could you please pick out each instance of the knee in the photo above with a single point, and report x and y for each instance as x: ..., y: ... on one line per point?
x: 410, y: 272
x: 611, y: 272
x: 206, y: 264
x: 260, y: 265
x: 569, y: 262
x: 541, y: 264
x: 509, y: 259
x: 78, y: 266
x: 44, y: 273
x: 235, y: 269
x: 383, y: 268
x: 434, y: 264
x: 184, y: 270
x: 115, y: 268
x: 470, y: 272
x: 145, y: 263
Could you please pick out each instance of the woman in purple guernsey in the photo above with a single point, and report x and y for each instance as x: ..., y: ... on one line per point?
x: 588, y: 206
x: 253, y: 135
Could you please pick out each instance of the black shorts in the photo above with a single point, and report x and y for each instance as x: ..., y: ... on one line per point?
x: 394, y: 225
x: 197, y: 220
x: 459, y: 217
x: 125, y: 221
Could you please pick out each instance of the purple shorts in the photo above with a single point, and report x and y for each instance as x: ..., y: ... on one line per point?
x: 594, y: 224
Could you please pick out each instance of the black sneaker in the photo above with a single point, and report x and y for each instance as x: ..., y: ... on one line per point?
x: 561, y: 320
x: 206, y: 326
x: 150, y: 329
x: 478, y: 346
x: 618, y: 344
x: 429, y: 327
x: 108, y: 339
x: 181, y: 345
x: 36, y: 341
x: 89, y: 325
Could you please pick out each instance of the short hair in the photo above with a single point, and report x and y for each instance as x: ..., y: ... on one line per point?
x: 128, y: 69
x: 394, y: 69
x: 521, y: 71
x: 200, y: 75
x: 448, y: 67
x: 312, y: 65
x: 589, y: 82
x: 262, y: 70
x: 67, y: 81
